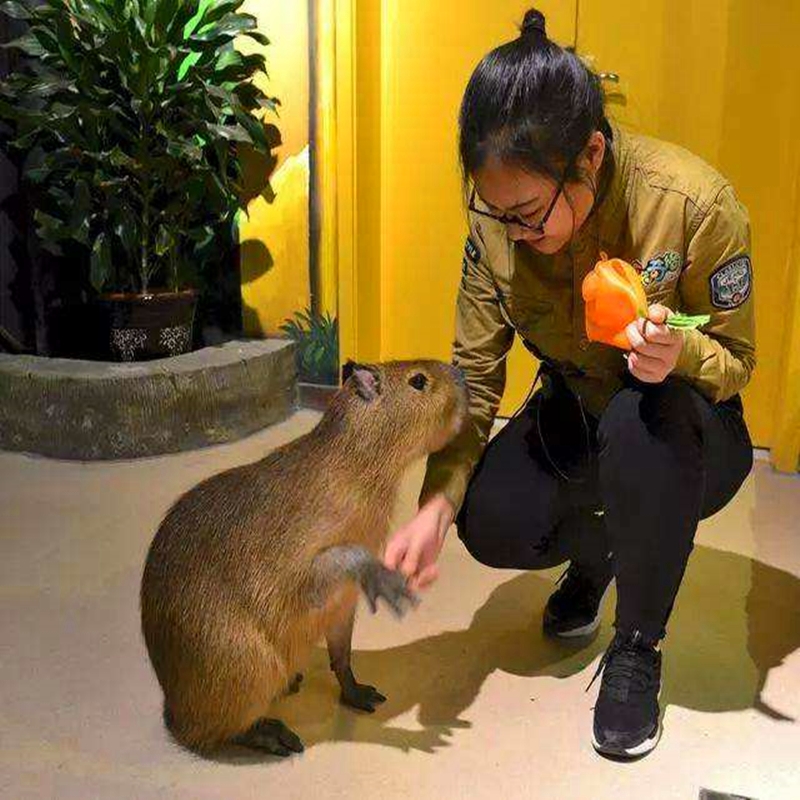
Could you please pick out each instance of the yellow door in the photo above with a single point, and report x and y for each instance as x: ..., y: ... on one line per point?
x: 719, y: 77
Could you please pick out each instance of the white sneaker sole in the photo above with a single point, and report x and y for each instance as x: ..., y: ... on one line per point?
x: 645, y: 747
x: 583, y: 631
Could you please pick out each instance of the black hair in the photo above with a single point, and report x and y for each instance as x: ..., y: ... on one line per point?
x: 531, y: 103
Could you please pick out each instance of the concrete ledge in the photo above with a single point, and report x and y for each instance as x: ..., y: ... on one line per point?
x: 97, y: 410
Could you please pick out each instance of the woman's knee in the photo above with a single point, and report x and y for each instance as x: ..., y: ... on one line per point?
x: 499, y: 534
x: 667, y: 412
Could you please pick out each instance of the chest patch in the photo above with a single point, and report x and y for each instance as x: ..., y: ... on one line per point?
x: 662, y: 270
x: 731, y: 283
x: 471, y: 250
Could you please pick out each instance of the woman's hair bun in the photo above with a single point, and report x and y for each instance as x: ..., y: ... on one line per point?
x: 533, y: 23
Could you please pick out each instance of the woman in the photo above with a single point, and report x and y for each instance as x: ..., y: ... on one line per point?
x: 618, y: 456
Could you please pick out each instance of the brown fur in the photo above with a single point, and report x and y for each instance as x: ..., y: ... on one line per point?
x: 226, y: 595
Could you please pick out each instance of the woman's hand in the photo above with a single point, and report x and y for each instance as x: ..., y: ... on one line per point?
x: 655, y: 346
x: 414, y: 548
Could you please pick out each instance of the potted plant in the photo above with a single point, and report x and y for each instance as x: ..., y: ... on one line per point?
x: 317, y: 339
x: 129, y: 114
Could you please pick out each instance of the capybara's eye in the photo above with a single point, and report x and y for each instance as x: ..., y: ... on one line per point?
x: 419, y: 382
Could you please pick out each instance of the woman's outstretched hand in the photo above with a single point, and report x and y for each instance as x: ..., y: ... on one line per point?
x: 414, y: 548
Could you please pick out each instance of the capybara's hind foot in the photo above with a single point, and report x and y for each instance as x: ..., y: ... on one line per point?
x: 361, y: 696
x: 272, y: 736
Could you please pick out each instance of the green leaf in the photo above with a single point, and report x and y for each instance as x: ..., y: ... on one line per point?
x: 117, y: 158
x: 67, y: 45
x: 233, y: 133
x: 81, y: 212
x: 49, y: 87
x: 9, y: 111
x: 15, y: 10
x: 165, y: 12
x: 149, y: 11
x: 100, y: 263
x: 258, y: 37
x: 49, y: 228
x: 229, y: 58
x: 192, y: 24
x: 251, y: 97
x: 165, y: 241
x: 686, y: 322
x: 29, y: 139
x: 195, y: 190
x: 254, y: 128
x: 126, y: 230
x: 27, y: 44
x: 187, y: 64
x: 222, y: 9
x: 228, y: 28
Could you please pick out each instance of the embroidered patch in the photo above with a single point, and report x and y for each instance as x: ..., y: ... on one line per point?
x: 664, y: 268
x: 731, y: 283
x: 471, y: 249
x: 465, y: 265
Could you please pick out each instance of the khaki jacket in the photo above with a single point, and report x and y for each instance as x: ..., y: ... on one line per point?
x: 666, y: 212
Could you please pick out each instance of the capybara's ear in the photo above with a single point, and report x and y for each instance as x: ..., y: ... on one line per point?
x: 347, y: 369
x: 367, y: 383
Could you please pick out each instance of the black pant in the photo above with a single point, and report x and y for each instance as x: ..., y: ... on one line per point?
x: 555, y: 485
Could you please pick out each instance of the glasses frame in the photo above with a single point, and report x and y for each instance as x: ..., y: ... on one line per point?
x: 512, y: 219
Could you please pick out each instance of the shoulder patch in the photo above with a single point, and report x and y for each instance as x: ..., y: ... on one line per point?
x: 471, y: 250
x: 731, y: 283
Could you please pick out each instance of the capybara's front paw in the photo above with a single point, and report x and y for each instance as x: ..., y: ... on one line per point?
x: 378, y: 581
x: 362, y: 697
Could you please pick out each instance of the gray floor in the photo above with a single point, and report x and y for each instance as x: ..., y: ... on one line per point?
x: 479, y: 704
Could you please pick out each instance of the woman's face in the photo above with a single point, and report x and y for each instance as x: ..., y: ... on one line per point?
x: 509, y: 189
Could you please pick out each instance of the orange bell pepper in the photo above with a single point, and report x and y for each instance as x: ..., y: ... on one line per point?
x: 614, y: 297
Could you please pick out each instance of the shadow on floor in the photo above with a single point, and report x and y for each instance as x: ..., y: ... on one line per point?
x: 736, y: 619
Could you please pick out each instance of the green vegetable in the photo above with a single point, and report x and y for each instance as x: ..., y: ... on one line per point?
x: 685, y: 322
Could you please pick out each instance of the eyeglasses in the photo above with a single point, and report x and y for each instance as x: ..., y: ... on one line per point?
x: 516, y: 219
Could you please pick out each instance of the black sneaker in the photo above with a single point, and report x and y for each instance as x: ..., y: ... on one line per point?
x: 626, y: 716
x: 574, y: 608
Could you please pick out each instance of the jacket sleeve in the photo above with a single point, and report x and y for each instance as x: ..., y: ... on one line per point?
x: 718, y: 280
x: 483, y: 338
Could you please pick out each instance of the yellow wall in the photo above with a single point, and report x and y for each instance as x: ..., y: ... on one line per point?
x: 728, y: 89
x: 271, y: 294
x: 701, y: 87
x: 759, y: 153
x: 413, y: 60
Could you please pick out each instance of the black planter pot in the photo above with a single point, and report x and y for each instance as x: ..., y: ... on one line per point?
x: 139, y: 327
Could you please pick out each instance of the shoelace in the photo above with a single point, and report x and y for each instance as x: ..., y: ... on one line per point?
x: 626, y: 665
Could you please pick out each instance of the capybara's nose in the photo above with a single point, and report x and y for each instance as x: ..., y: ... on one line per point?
x: 458, y: 374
